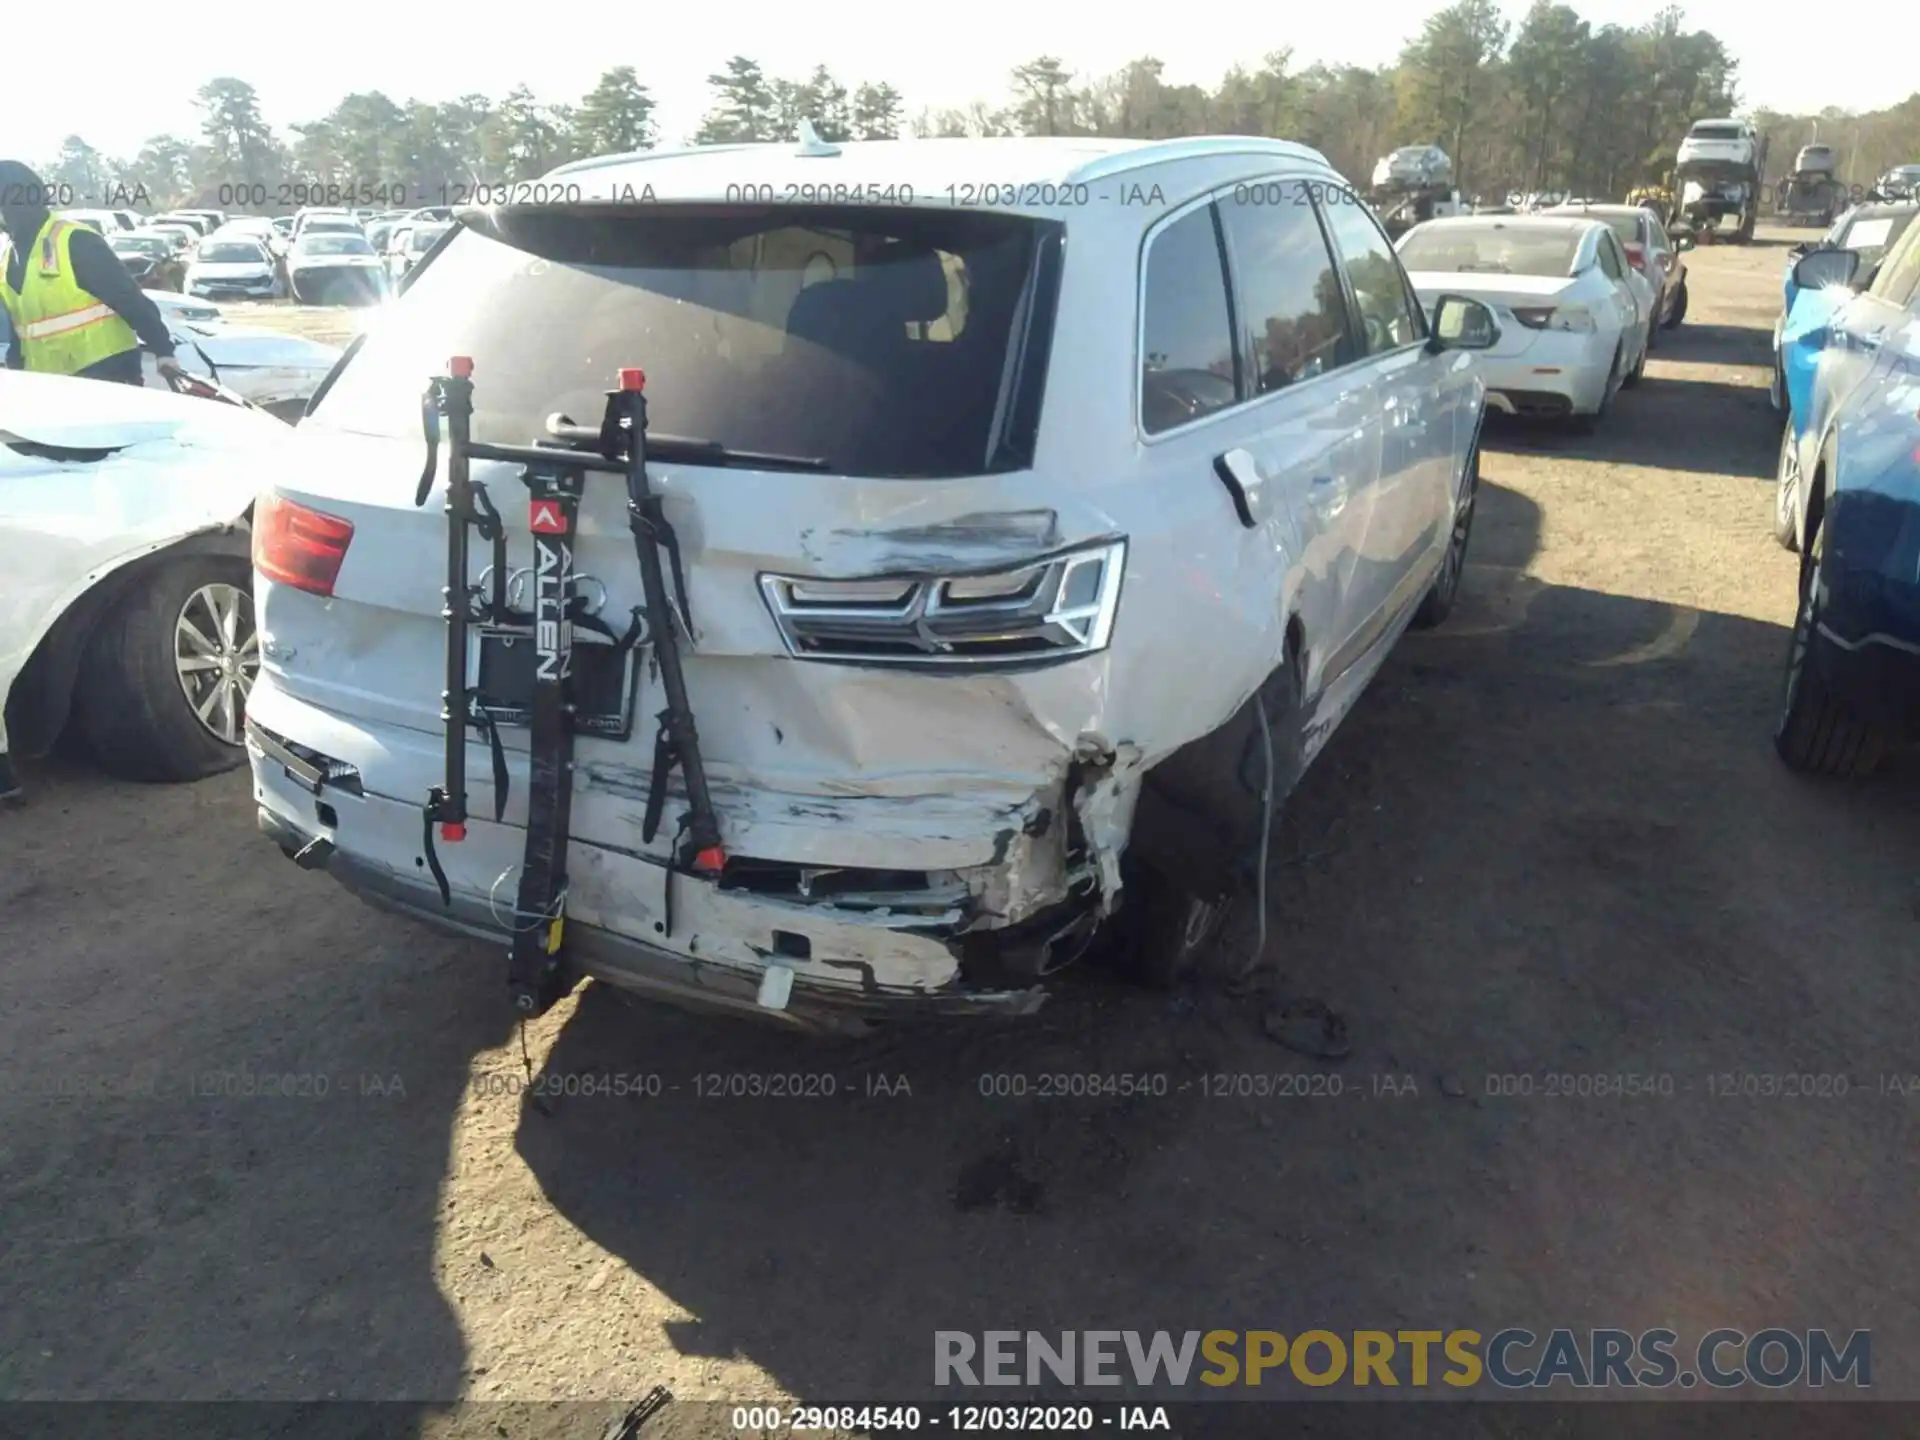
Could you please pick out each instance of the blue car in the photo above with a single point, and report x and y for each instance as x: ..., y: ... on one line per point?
x: 1870, y: 229
x: 1849, y: 501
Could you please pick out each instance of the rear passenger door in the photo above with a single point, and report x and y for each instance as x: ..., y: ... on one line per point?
x: 1244, y: 380
x: 1411, y: 517
x: 1317, y: 410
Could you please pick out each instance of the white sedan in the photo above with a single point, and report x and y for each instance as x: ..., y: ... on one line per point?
x: 124, y: 536
x: 328, y: 268
x: 236, y: 266
x: 1573, y: 324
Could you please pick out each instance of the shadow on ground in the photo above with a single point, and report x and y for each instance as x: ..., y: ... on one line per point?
x: 1523, y: 855
x: 225, y: 1119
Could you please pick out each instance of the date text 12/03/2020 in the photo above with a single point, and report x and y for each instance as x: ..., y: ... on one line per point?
x: 772, y: 1420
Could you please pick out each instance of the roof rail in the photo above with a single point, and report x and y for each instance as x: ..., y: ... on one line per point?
x: 631, y: 157
x: 1154, y: 152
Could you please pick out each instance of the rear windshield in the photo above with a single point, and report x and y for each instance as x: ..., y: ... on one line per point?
x: 1494, y: 249
x: 1626, y: 228
x: 328, y: 244
x: 139, y: 245
x: 1873, y: 235
x: 231, y: 252
x: 422, y: 239
x: 884, y: 342
x: 1715, y: 132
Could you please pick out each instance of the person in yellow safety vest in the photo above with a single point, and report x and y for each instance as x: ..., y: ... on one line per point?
x: 71, y: 306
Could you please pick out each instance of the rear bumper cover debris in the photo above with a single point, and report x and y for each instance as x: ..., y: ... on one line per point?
x: 836, y: 985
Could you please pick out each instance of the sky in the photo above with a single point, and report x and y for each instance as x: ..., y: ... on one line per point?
x: 124, y: 92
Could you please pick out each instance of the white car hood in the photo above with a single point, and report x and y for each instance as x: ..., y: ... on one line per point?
x: 233, y: 345
x: 176, y: 467
x: 58, y: 410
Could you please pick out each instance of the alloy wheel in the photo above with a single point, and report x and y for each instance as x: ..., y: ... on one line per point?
x: 1456, y: 557
x: 1801, y: 640
x: 216, y: 656
x: 1787, y: 494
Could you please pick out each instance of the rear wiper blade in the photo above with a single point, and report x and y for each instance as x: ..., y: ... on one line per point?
x: 687, y: 449
x: 691, y: 451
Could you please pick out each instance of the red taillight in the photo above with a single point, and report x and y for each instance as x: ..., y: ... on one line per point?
x: 293, y: 545
x: 1637, y: 256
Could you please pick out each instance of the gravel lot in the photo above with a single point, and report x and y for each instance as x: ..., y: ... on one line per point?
x: 1552, y: 839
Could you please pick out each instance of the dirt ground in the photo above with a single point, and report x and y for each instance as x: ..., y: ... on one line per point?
x: 1552, y: 839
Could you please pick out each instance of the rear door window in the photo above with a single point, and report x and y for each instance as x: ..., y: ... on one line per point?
x: 1189, y: 368
x: 1292, y: 308
x: 1610, y: 260
x: 880, y: 341
x: 1899, y: 277
x: 1389, y: 315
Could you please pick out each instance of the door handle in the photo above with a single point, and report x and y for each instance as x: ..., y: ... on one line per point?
x: 1240, y: 473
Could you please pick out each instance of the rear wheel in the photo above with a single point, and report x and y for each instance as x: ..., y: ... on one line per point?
x: 1438, y: 603
x: 1640, y: 365
x: 161, y: 694
x: 1679, y: 311
x: 1587, y: 424
x: 1786, y: 491
x: 1191, y: 869
x: 1818, y: 734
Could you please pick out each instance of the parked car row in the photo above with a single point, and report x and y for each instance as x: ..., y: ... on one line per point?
x: 317, y: 256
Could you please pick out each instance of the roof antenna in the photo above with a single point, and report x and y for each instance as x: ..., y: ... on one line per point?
x: 812, y: 144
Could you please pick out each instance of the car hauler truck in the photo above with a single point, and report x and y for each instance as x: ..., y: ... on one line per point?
x: 1413, y: 184
x: 1810, y: 195
x: 1718, y: 172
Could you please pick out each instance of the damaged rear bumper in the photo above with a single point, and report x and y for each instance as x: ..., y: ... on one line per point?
x: 684, y: 939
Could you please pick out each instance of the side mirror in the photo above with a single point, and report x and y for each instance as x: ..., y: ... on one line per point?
x: 1819, y: 269
x: 1462, y: 324
x: 1803, y: 248
x: 1683, y: 242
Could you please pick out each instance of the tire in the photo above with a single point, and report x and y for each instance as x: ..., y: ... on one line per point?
x: 1170, y: 924
x: 1635, y: 375
x: 1587, y: 424
x: 131, y: 696
x: 1679, y: 311
x: 1438, y: 603
x: 1786, y: 490
x: 1167, y: 931
x: 1817, y: 733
